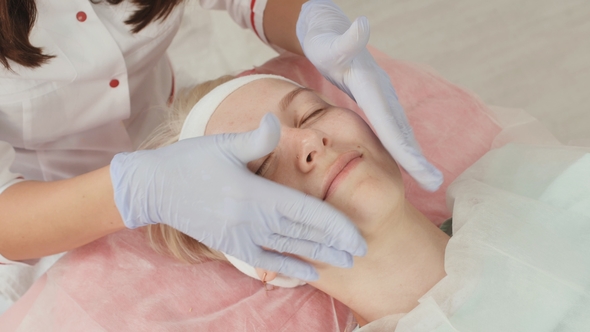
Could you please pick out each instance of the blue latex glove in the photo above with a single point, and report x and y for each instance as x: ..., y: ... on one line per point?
x: 202, y: 187
x: 337, y: 48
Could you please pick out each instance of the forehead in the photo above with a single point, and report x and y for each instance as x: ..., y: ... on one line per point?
x: 242, y: 109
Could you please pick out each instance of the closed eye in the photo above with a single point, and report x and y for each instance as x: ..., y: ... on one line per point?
x: 314, y: 114
x: 264, y: 166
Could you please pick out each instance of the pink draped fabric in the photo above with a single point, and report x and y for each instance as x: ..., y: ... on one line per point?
x: 119, y: 284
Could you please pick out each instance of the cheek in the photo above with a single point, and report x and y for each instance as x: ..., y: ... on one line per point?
x: 357, y: 130
x: 284, y: 169
x: 342, y: 120
x: 347, y: 127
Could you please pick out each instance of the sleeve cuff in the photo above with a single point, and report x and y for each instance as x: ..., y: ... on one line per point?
x: 256, y: 18
x: 28, y: 262
x: 246, y: 13
x: 7, y: 156
x: 10, y: 183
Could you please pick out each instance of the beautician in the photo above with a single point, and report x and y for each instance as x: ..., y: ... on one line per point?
x: 81, y: 83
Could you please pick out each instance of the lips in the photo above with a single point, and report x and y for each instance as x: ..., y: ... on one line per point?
x: 336, y: 172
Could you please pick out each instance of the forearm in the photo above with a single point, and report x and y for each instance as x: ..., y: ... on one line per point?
x: 43, y: 218
x: 280, y: 19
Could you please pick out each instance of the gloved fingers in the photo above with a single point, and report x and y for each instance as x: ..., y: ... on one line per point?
x: 375, y: 94
x: 338, y: 49
x: 337, y: 231
x: 289, y: 266
x: 319, y: 17
x: 311, y: 239
x: 420, y: 169
x: 409, y: 158
x: 257, y: 143
x: 397, y: 111
x: 388, y: 102
x: 311, y: 250
x: 352, y: 42
x: 301, y: 231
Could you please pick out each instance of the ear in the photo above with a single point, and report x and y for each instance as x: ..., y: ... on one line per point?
x: 270, y: 276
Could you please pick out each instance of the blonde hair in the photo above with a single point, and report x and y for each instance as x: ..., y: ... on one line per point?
x: 163, y: 238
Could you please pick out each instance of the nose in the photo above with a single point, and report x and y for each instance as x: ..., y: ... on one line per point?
x: 311, y: 146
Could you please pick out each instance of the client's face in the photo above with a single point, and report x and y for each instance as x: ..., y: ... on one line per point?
x: 325, y: 151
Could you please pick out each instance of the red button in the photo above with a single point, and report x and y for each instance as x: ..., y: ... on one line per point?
x: 114, y: 83
x: 81, y: 16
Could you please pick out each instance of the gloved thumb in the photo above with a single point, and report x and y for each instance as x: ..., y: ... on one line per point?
x: 354, y: 40
x: 257, y: 143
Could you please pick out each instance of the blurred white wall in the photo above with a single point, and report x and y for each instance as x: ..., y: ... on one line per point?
x: 531, y: 54
x: 209, y: 44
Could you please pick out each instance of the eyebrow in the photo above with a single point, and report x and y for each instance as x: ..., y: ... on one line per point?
x: 288, y: 98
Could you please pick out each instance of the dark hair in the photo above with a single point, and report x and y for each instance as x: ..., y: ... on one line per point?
x: 17, y: 18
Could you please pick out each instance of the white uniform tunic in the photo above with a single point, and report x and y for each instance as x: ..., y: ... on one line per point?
x: 101, y: 94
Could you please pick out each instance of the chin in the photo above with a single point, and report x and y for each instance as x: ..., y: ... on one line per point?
x: 367, y: 201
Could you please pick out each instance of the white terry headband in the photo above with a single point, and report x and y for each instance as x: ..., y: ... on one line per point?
x: 197, y: 119
x: 195, y: 125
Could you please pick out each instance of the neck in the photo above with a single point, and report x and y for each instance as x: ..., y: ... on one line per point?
x: 405, y: 259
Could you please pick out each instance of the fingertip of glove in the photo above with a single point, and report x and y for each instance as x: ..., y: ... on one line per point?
x: 300, y: 270
x: 363, y: 29
x: 351, y: 240
x: 347, y: 261
x: 426, y: 174
x: 361, y: 249
x: 257, y: 143
x: 270, y: 120
x: 355, y: 39
x: 362, y: 25
x: 310, y: 275
x: 433, y: 180
x: 270, y: 127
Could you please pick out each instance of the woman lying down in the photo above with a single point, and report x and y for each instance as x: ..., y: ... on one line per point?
x: 330, y: 153
x: 516, y: 264
x: 518, y: 260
